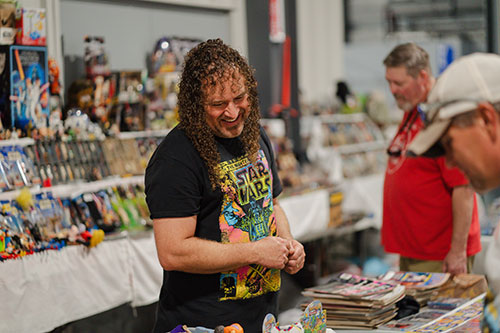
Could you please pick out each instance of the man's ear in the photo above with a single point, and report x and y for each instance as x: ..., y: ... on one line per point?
x: 490, y: 119
x: 423, y: 75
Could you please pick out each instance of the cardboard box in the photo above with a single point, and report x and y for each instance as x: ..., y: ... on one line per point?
x: 31, y: 26
x: 463, y: 286
x: 7, y: 23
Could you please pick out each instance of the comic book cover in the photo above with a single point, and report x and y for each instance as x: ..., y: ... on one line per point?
x: 348, y: 285
x: 28, y: 86
x: 417, y: 280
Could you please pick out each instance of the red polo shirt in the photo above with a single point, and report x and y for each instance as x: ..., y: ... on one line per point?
x: 417, y: 215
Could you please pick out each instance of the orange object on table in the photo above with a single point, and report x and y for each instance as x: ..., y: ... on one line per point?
x: 233, y: 328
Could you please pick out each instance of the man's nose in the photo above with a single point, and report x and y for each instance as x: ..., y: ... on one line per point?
x: 394, y: 89
x: 232, y: 110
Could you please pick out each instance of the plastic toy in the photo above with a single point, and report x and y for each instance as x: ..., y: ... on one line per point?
x: 55, y: 84
x: 25, y: 199
x: 313, y: 320
x: 233, y: 328
x: 96, y: 59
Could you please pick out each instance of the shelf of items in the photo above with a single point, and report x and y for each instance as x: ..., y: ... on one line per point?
x: 75, y: 281
x: 351, y: 148
x: 17, y: 142
x: 362, y: 147
x: 360, y: 225
x: 76, y: 188
x: 143, y: 134
x: 356, y: 141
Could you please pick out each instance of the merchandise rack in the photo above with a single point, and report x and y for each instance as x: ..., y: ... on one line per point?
x: 74, y: 189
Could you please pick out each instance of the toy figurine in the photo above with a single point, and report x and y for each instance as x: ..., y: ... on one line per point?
x: 96, y: 59
x: 55, y: 85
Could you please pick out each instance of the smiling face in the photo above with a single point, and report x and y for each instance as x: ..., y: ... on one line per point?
x: 227, y: 106
x: 406, y: 89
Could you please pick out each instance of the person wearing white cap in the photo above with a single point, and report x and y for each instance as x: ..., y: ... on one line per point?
x: 462, y: 122
x: 429, y: 211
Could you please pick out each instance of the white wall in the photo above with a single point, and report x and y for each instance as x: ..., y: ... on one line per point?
x: 320, y: 38
x: 132, y: 31
x: 235, y: 21
x: 365, y: 71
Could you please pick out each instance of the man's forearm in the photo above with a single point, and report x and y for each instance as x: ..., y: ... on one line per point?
x: 178, y: 249
x: 201, y: 256
x: 463, y: 205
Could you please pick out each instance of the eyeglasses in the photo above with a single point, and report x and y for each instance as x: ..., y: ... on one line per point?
x: 393, y: 153
x: 430, y: 111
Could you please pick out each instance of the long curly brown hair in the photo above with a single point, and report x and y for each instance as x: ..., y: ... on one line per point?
x: 206, y: 65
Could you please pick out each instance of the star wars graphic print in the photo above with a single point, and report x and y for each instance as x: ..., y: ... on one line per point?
x: 247, y: 215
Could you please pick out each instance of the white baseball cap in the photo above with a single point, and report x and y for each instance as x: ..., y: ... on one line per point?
x: 466, y: 82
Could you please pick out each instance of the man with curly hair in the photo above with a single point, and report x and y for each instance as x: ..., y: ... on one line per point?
x: 212, y: 187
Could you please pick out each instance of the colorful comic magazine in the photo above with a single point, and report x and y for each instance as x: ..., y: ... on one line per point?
x: 417, y: 280
x: 349, y: 285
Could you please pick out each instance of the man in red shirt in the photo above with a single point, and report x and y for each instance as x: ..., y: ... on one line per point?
x: 463, y: 123
x: 429, y: 212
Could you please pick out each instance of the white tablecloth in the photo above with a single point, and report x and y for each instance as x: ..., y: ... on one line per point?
x: 43, y: 291
x: 307, y: 213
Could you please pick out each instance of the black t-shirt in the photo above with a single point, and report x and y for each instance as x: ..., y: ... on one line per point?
x: 241, y: 210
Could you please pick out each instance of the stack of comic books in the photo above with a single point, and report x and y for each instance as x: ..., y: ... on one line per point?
x: 421, y: 285
x: 357, y: 302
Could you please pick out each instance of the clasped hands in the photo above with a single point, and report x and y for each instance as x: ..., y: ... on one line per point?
x: 281, y: 253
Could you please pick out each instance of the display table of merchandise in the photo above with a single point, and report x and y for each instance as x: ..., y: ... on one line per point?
x: 49, y: 289
x: 43, y: 291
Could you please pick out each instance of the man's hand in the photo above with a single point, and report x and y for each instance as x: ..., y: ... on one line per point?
x: 296, y: 257
x: 455, y: 262
x: 273, y: 252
